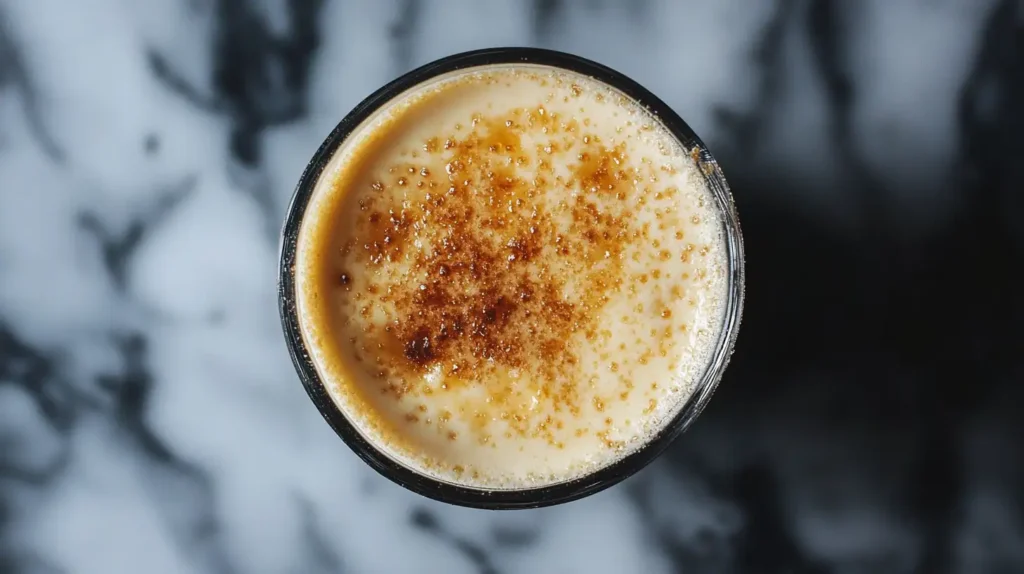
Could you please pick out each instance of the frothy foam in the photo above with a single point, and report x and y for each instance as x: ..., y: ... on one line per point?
x: 511, y: 277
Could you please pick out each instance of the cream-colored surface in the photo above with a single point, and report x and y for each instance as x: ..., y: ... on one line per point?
x: 658, y: 328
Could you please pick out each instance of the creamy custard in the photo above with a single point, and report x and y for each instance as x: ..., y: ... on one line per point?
x: 511, y: 277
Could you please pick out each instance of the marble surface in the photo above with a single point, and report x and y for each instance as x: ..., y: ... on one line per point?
x: 150, y: 419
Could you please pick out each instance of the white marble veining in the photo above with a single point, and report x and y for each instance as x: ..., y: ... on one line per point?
x: 151, y: 421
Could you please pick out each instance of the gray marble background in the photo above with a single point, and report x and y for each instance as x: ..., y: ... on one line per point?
x: 150, y: 419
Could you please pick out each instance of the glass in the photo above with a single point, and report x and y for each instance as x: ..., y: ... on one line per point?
x: 555, y: 493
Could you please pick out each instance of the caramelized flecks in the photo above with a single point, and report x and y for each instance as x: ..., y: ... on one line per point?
x: 418, y: 348
x: 508, y: 262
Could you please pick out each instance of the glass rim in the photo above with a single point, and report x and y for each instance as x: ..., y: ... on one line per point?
x: 560, y: 492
